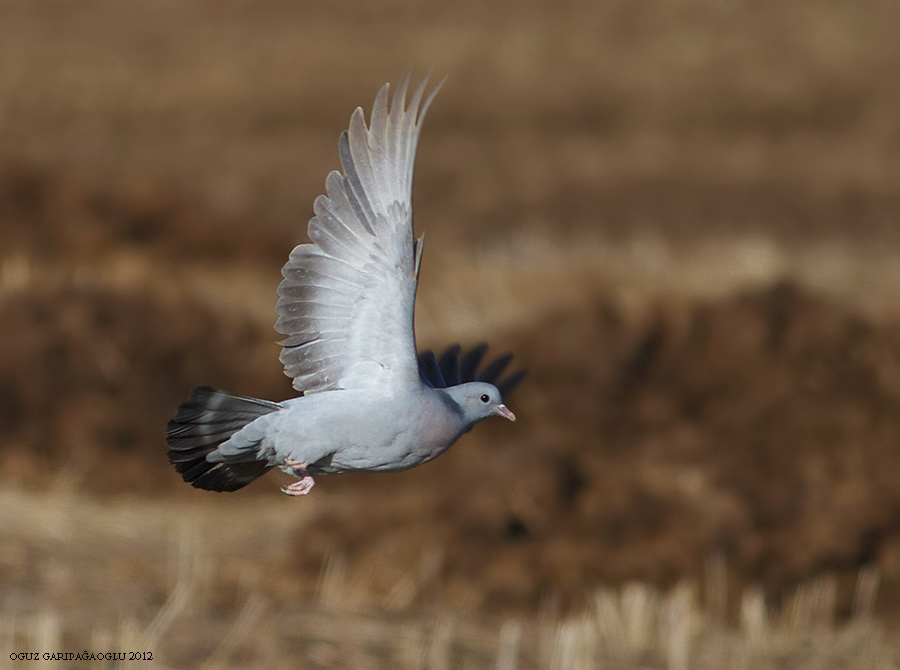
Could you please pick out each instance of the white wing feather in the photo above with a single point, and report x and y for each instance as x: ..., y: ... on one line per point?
x: 346, y: 301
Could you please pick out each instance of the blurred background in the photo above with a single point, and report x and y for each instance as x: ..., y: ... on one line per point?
x: 680, y: 216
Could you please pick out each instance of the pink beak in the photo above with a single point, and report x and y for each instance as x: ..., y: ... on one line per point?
x: 503, y: 410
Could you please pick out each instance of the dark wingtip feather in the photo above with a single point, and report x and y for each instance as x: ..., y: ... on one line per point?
x: 429, y: 370
x: 449, y: 363
x: 509, y: 384
x: 455, y: 367
x: 494, y: 369
x: 468, y: 366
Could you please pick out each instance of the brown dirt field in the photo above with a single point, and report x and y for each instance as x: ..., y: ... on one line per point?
x: 760, y: 430
x: 682, y: 217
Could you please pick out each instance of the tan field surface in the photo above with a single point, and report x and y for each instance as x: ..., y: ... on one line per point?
x: 682, y: 217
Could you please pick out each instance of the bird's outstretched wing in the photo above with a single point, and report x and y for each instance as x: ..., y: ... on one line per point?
x: 346, y: 301
x: 454, y: 367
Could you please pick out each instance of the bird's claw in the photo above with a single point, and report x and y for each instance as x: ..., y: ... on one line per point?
x: 299, y: 488
x: 305, y: 483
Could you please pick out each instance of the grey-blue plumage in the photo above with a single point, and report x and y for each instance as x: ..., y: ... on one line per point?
x: 346, y: 310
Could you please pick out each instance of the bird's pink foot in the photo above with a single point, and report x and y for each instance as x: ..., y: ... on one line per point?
x: 306, y: 482
x: 299, y: 488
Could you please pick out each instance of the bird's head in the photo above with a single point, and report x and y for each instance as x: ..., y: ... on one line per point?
x: 479, y: 400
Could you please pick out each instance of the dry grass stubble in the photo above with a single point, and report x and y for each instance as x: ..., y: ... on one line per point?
x: 140, y: 576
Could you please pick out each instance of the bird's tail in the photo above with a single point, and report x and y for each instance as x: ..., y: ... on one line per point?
x: 204, y: 422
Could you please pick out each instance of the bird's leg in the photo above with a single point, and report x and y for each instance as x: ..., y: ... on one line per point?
x: 304, y: 485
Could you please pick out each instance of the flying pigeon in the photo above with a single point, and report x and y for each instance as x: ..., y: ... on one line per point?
x: 345, y: 308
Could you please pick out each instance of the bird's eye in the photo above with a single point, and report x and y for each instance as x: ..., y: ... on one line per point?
x: 484, y: 397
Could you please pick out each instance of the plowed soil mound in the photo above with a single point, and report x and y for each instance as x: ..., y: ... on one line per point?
x: 762, y: 429
x: 88, y: 379
x: 49, y: 217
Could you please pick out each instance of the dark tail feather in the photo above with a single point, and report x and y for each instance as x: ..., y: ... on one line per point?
x: 204, y: 422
